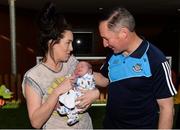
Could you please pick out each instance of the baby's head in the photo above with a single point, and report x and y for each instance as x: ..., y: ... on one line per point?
x: 83, y: 68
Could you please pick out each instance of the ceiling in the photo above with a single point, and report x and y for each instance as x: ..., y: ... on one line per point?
x: 92, y: 6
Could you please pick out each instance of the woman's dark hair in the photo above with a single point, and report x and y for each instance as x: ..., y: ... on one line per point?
x: 52, y: 26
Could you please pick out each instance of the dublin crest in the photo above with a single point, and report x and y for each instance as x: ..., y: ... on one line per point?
x: 137, y: 68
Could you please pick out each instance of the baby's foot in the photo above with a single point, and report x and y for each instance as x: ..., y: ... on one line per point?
x: 73, y: 120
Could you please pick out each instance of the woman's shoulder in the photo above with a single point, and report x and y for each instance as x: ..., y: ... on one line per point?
x: 34, y: 70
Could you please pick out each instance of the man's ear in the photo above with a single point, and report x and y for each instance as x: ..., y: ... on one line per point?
x: 123, y: 32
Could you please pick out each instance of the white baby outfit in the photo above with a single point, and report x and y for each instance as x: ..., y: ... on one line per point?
x: 68, y: 99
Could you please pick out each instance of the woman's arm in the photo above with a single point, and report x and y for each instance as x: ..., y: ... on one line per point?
x: 38, y: 111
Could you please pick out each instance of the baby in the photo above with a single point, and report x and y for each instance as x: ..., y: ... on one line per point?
x: 85, y: 81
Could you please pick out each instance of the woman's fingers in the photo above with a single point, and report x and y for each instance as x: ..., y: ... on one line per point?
x: 72, y: 80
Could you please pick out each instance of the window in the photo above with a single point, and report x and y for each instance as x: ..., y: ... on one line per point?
x: 82, y: 43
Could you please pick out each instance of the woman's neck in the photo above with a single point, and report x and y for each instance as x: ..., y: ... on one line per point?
x: 53, y: 65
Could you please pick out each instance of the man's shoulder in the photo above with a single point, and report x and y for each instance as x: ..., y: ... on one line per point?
x: 155, y: 54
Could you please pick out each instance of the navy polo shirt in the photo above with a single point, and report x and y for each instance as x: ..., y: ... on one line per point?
x: 136, y: 82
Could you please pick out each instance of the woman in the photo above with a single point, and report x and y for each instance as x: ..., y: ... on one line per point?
x: 56, y: 45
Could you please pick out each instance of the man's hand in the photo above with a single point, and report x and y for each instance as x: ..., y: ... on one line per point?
x: 87, y: 98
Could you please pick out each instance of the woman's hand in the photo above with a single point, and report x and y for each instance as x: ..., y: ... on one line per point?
x: 65, y: 86
x: 87, y: 98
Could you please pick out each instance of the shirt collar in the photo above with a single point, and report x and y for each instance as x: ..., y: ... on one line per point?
x: 139, y: 52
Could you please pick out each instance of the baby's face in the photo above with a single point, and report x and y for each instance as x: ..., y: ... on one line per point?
x: 81, y: 69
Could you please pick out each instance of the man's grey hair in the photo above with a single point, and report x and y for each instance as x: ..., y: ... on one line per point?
x: 120, y: 17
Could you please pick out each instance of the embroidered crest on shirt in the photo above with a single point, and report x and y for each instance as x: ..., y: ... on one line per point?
x: 137, y: 68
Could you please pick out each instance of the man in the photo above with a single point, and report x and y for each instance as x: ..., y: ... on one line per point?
x: 140, y: 89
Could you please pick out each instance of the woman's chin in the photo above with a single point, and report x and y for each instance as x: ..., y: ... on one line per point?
x: 67, y: 58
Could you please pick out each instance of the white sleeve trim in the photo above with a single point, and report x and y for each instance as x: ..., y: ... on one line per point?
x: 167, y: 72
